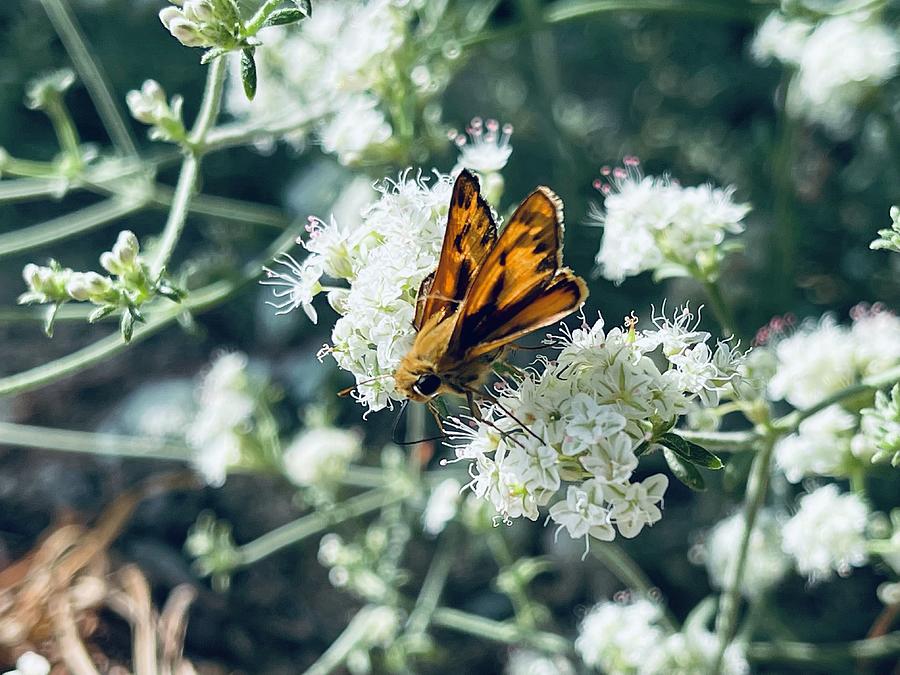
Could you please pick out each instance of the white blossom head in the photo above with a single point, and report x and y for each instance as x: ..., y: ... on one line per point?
x: 655, y: 224
x: 527, y: 662
x: 442, y: 505
x: 484, y: 147
x: 617, y: 637
x: 827, y: 534
x: 319, y: 456
x: 769, y: 562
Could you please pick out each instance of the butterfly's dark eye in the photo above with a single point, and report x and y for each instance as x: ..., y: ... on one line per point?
x: 427, y: 384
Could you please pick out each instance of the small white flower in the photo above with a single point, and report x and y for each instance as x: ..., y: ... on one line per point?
x: 357, y: 126
x: 820, y: 447
x: 780, y: 38
x: 225, y: 407
x: 582, y: 513
x: 587, y: 422
x: 31, y: 663
x: 527, y: 662
x: 636, y: 504
x: 618, y: 637
x: 656, y: 224
x: 442, y: 506
x: 769, y: 562
x: 612, y: 458
x: 691, y: 652
x: 297, y: 287
x: 827, y: 534
x: 487, y: 148
x: 319, y: 456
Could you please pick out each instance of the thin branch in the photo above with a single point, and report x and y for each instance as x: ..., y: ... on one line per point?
x: 355, y: 633
x: 68, y: 225
x: 198, y: 301
x: 32, y: 188
x: 69, y: 32
x: 235, y: 210
x: 880, y: 647
x: 309, y: 525
x: 110, y: 445
x: 499, y: 631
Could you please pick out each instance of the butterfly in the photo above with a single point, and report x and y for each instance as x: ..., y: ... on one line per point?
x: 486, y: 292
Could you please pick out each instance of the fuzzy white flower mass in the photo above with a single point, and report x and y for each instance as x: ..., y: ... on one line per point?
x: 827, y: 534
x: 655, y: 224
x: 528, y: 662
x: 320, y: 455
x: 823, y: 357
x: 570, y: 427
x: 225, y: 407
x: 769, y: 564
x: 839, y: 62
x: 820, y: 447
x: 442, y: 505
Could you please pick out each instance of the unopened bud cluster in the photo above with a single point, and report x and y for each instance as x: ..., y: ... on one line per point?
x: 129, y: 286
x: 200, y: 23
x: 150, y: 106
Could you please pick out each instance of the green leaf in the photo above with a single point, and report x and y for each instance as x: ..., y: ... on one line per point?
x: 211, y: 54
x: 248, y: 72
x: 304, y: 6
x: 283, y: 17
x: 50, y: 318
x: 684, y: 471
x: 126, y: 325
x: 100, y: 313
x: 691, y: 452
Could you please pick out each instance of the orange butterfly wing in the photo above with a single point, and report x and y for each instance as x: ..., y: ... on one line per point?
x: 521, y: 285
x: 470, y: 234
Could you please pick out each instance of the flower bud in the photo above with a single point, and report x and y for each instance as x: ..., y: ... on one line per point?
x: 149, y: 104
x: 126, y: 247
x: 88, y: 286
x: 199, y: 11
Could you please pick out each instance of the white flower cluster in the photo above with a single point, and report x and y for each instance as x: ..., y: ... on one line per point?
x: 823, y: 357
x: 827, y: 533
x: 889, y: 238
x: 319, y: 456
x: 581, y: 419
x: 226, y: 402
x: 442, y: 506
x: 528, y: 662
x: 655, y: 224
x: 880, y: 425
x: 826, y: 444
x: 629, y: 638
x: 30, y: 664
x: 345, y: 65
x: 769, y: 562
x: 384, y: 258
x: 839, y: 61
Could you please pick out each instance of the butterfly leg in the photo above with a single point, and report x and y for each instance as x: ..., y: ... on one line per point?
x: 436, y: 415
x: 473, y: 406
x: 506, y: 411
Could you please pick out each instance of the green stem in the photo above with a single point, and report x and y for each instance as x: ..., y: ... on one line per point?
x: 719, y: 307
x: 259, y: 18
x: 880, y: 647
x: 729, y: 604
x: 190, y: 167
x: 497, y: 631
x: 31, y: 188
x: 722, y: 441
x: 312, y: 524
x: 69, y: 32
x: 109, y: 445
x: 617, y: 561
x: 234, y: 210
x: 66, y: 134
x: 232, y: 135
x: 198, y: 301
x: 67, y: 225
x: 433, y: 585
x: 352, y: 636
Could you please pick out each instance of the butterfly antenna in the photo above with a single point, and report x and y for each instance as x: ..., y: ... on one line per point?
x: 349, y: 390
x: 395, y: 428
x: 506, y: 411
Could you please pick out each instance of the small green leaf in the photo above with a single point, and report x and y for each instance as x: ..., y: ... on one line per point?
x: 100, y: 313
x: 126, y: 325
x: 283, y: 17
x: 211, y: 54
x: 691, y: 452
x: 304, y: 6
x: 50, y: 318
x: 684, y: 471
x: 248, y: 72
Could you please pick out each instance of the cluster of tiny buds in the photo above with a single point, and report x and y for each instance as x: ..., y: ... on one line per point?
x: 777, y: 327
x: 864, y: 310
x: 612, y: 178
x: 480, y: 131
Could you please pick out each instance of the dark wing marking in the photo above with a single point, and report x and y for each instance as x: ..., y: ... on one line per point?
x: 522, y: 267
x: 470, y: 234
